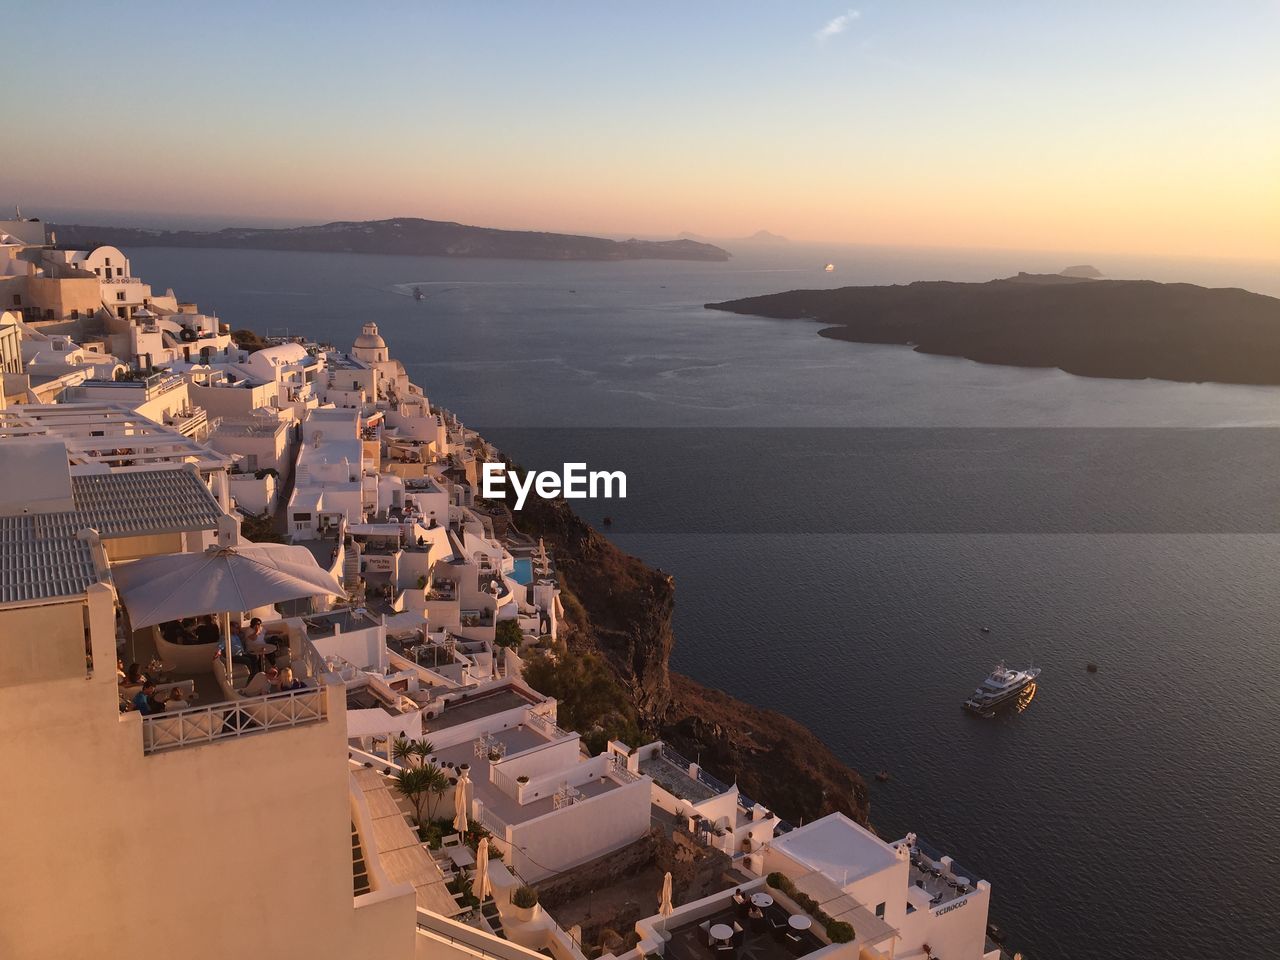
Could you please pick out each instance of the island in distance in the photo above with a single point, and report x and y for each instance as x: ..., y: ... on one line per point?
x: 1121, y: 329
x: 404, y: 235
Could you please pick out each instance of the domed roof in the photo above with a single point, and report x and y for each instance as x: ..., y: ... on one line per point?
x: 369, y: 338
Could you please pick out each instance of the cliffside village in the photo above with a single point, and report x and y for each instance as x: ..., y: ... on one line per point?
x: 321, y: 743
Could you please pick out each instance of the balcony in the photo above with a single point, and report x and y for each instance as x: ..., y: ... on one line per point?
x: 221, y: 721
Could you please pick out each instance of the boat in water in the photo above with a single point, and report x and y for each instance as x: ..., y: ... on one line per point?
x: 830, y: 268
x: 1003, y: 688
x: 418, y: 294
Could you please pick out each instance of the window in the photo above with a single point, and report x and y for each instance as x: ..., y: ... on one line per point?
x: 880, y: 910
x: 48, y: 314
x: 120, y: 313
x: 75, y: 314
x: 98, y: 271
x: 302, y: 517
x: 17, y: 300
x: 120, y: 295
x: 119, y: 271
x: 108, y: 261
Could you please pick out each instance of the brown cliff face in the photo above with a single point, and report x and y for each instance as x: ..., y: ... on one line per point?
x: 623, y: 609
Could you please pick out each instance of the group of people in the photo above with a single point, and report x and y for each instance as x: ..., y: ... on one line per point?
x: 148, y: 700
x: 248, y: 647
x: 191, y: 630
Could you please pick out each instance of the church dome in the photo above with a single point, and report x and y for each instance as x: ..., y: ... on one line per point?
x: 369, y: 338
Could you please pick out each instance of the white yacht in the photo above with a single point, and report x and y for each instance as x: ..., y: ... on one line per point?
x: 1002, y: 688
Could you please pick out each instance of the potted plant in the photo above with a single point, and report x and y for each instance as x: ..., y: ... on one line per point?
x: 522, y: 778
x: 525, y: 902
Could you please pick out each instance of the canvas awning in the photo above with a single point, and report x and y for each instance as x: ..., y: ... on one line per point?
x: 221, y: 579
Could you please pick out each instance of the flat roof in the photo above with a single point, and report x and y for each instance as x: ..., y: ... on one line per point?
x: 837, y: 847
x: 42, y: 555
x: 107, y: 433
x: 477, y: 706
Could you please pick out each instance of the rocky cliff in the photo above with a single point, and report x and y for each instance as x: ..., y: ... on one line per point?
x: 623, y: 608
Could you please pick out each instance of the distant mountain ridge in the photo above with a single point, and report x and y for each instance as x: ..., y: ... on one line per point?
x: 402, y: 235
x: 1121, y: 329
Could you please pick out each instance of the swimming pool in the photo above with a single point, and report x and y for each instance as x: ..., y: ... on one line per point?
x: 523, y: 573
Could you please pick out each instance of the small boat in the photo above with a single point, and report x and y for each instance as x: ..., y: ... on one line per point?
x: 418, y: 294
x: 1001, y: 689
x: 830, y: 268
x: 986, y: 629
x: 883, y: 776
x: 1091, y: 667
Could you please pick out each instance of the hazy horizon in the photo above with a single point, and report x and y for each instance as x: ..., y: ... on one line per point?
x: 918, y: 125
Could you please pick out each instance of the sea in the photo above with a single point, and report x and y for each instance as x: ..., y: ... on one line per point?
x: 844, y: 520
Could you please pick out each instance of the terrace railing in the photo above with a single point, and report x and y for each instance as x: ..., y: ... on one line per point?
x: 493, y: 823
x: 222, y: 721
x: 620, y: 770
x: 544, y: 726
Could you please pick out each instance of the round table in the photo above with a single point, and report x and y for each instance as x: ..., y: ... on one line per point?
x: 799, y: 922
x: 722, y: 932
x: 762, y: 900
x: 261, y: 650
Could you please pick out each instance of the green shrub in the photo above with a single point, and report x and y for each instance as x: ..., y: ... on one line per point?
x: 839, y: 932
x: 507, y: 634
x: 525, y: 896
x: 777, y: 881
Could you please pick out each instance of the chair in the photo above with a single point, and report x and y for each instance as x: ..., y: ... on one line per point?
x: 452, y: 840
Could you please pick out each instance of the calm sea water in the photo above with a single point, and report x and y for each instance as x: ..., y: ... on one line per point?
x: 1124, y: 813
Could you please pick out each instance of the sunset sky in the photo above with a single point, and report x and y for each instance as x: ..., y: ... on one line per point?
x: 1132, y: 127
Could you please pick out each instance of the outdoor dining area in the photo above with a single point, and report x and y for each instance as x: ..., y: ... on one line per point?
x: 197, y: 609
x: 752, y: 925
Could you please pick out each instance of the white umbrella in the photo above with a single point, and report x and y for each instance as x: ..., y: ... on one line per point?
x: 173, y: 586
x: 480, y: 881
x: 460, y: 806
x: 665, y: 907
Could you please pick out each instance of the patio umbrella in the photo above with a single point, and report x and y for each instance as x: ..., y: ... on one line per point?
x: 460, y: 806
x: 665, y: 908
x: 173, y: 586
x: 480, y: 880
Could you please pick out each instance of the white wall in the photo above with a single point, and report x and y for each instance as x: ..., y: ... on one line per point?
x: 581, y: 832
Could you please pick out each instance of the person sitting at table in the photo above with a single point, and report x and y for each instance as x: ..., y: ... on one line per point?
x: 177, y: 700
x: 121, y: 676
x: 254, y: 634
x: 237, y: 653
x: 145, y: 702
x: 260, y: 685
x: 134, y: 675
x: 287, y: 681
x: 206, y: 631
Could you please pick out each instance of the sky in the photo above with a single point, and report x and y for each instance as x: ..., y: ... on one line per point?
x: 1134, y: 126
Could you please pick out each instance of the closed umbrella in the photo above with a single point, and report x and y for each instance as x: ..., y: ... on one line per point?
x: 665, y: 908
x: 480, y: 882
x: 461, y: 809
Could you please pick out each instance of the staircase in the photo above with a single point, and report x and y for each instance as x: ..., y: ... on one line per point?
x: 360, y: 873
x: 351, y: 570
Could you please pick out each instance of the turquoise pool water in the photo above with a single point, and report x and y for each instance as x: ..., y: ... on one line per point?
x: 523, y: 573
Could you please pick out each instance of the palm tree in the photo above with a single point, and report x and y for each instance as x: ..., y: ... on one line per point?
x: 411, y: 753
x: 436, y: 784
x: 415, y: 784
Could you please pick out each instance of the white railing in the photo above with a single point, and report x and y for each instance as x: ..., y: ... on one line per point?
x: 544, y: 726
x: 197, y: 725
x: 504, y: 782
x: 493, y: 823
x: 620, y: 770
